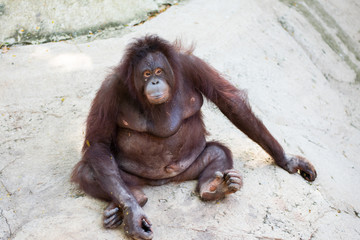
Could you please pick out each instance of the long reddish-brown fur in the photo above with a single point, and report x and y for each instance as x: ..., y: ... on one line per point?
x: 99, y: 173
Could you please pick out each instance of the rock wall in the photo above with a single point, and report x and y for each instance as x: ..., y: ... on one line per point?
x: 34, y: 21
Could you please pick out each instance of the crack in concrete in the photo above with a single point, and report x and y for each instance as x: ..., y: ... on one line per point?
x: 331, y: 206
x: 15, y: 140
x: 1, y: 170
x: 313, y: 233
x: 7, y: 191
x: 6, y: 221
x: 225, y: 234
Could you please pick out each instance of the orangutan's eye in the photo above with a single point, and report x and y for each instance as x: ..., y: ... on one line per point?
x: 158, y: 71
x: 147, y: 73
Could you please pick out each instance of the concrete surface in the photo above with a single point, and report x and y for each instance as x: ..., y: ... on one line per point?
x: 33, y: 21
x: 299, y: 83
